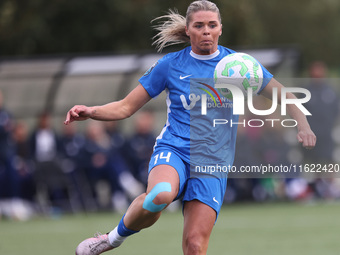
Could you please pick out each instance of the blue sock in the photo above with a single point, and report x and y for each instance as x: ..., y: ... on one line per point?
x: 123, y: 230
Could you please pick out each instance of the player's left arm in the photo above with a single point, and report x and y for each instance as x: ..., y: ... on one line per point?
x: 305, y: 134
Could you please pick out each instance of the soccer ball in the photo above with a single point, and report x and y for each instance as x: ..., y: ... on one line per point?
x: 240, y: 70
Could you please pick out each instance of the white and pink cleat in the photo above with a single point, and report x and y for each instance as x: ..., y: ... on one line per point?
x: 94, y: 245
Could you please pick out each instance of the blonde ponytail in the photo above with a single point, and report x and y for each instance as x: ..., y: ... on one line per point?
x: 171, y: 31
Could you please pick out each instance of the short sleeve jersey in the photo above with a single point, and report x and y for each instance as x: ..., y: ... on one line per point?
x: 173, y: 74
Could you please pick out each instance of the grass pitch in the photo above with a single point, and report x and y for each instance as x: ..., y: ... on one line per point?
x: 255, y: 229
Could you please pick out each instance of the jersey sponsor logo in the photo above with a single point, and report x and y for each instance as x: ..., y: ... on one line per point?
x: 194, y: 98
x: 183, y: 77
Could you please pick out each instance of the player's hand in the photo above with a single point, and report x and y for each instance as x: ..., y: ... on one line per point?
x: 78, y: 113
x: 307, y: 138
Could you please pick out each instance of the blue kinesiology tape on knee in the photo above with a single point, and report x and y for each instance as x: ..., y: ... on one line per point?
x: 148, y: 202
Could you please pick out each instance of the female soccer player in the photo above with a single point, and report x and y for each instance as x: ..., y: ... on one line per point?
x: 169, y: 168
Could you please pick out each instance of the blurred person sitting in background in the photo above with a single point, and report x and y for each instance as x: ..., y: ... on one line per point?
x: 9, y: 186
x: 139, y: 147
x: 16, y: 184
x: 118, y: 139
x: 106, y: 169
x: 71, y: 144
x: 45, y: 141
x: 23, y: 161
x: 247, y: 153
x: 48, y: 175
x: 10, y: 206
x: 324, y: 106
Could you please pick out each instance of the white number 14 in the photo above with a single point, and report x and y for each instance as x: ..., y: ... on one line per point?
x: 161, y: 156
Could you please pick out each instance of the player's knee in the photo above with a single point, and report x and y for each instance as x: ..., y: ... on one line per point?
x: 158, y: 198
x: 193, y: 245
x: 195, y: 241
x: 163, y: 198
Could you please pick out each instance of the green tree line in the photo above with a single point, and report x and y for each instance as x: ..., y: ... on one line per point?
x: 38, y: 27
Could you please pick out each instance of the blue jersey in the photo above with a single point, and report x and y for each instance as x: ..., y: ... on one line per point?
x: 184, y: 76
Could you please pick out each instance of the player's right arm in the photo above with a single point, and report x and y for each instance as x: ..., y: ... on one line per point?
x: 112, y: 111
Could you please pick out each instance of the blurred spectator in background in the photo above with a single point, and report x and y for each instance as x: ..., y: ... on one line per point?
x: 324, y: 107
x: 247, y: 153
x: 71, y: 144
x: 51, y: 183
x: 275, y: 148
x: 96, y: 160
x: 274, y: 152
x: 45, y: 142
x: 139, y: 146
x: 107, y: 170
x: 9, y: 187
x: 23, y: 161
x: 118, y: 140
x: 13, y: 172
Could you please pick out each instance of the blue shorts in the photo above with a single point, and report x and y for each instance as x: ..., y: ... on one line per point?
x: 208, y: 190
